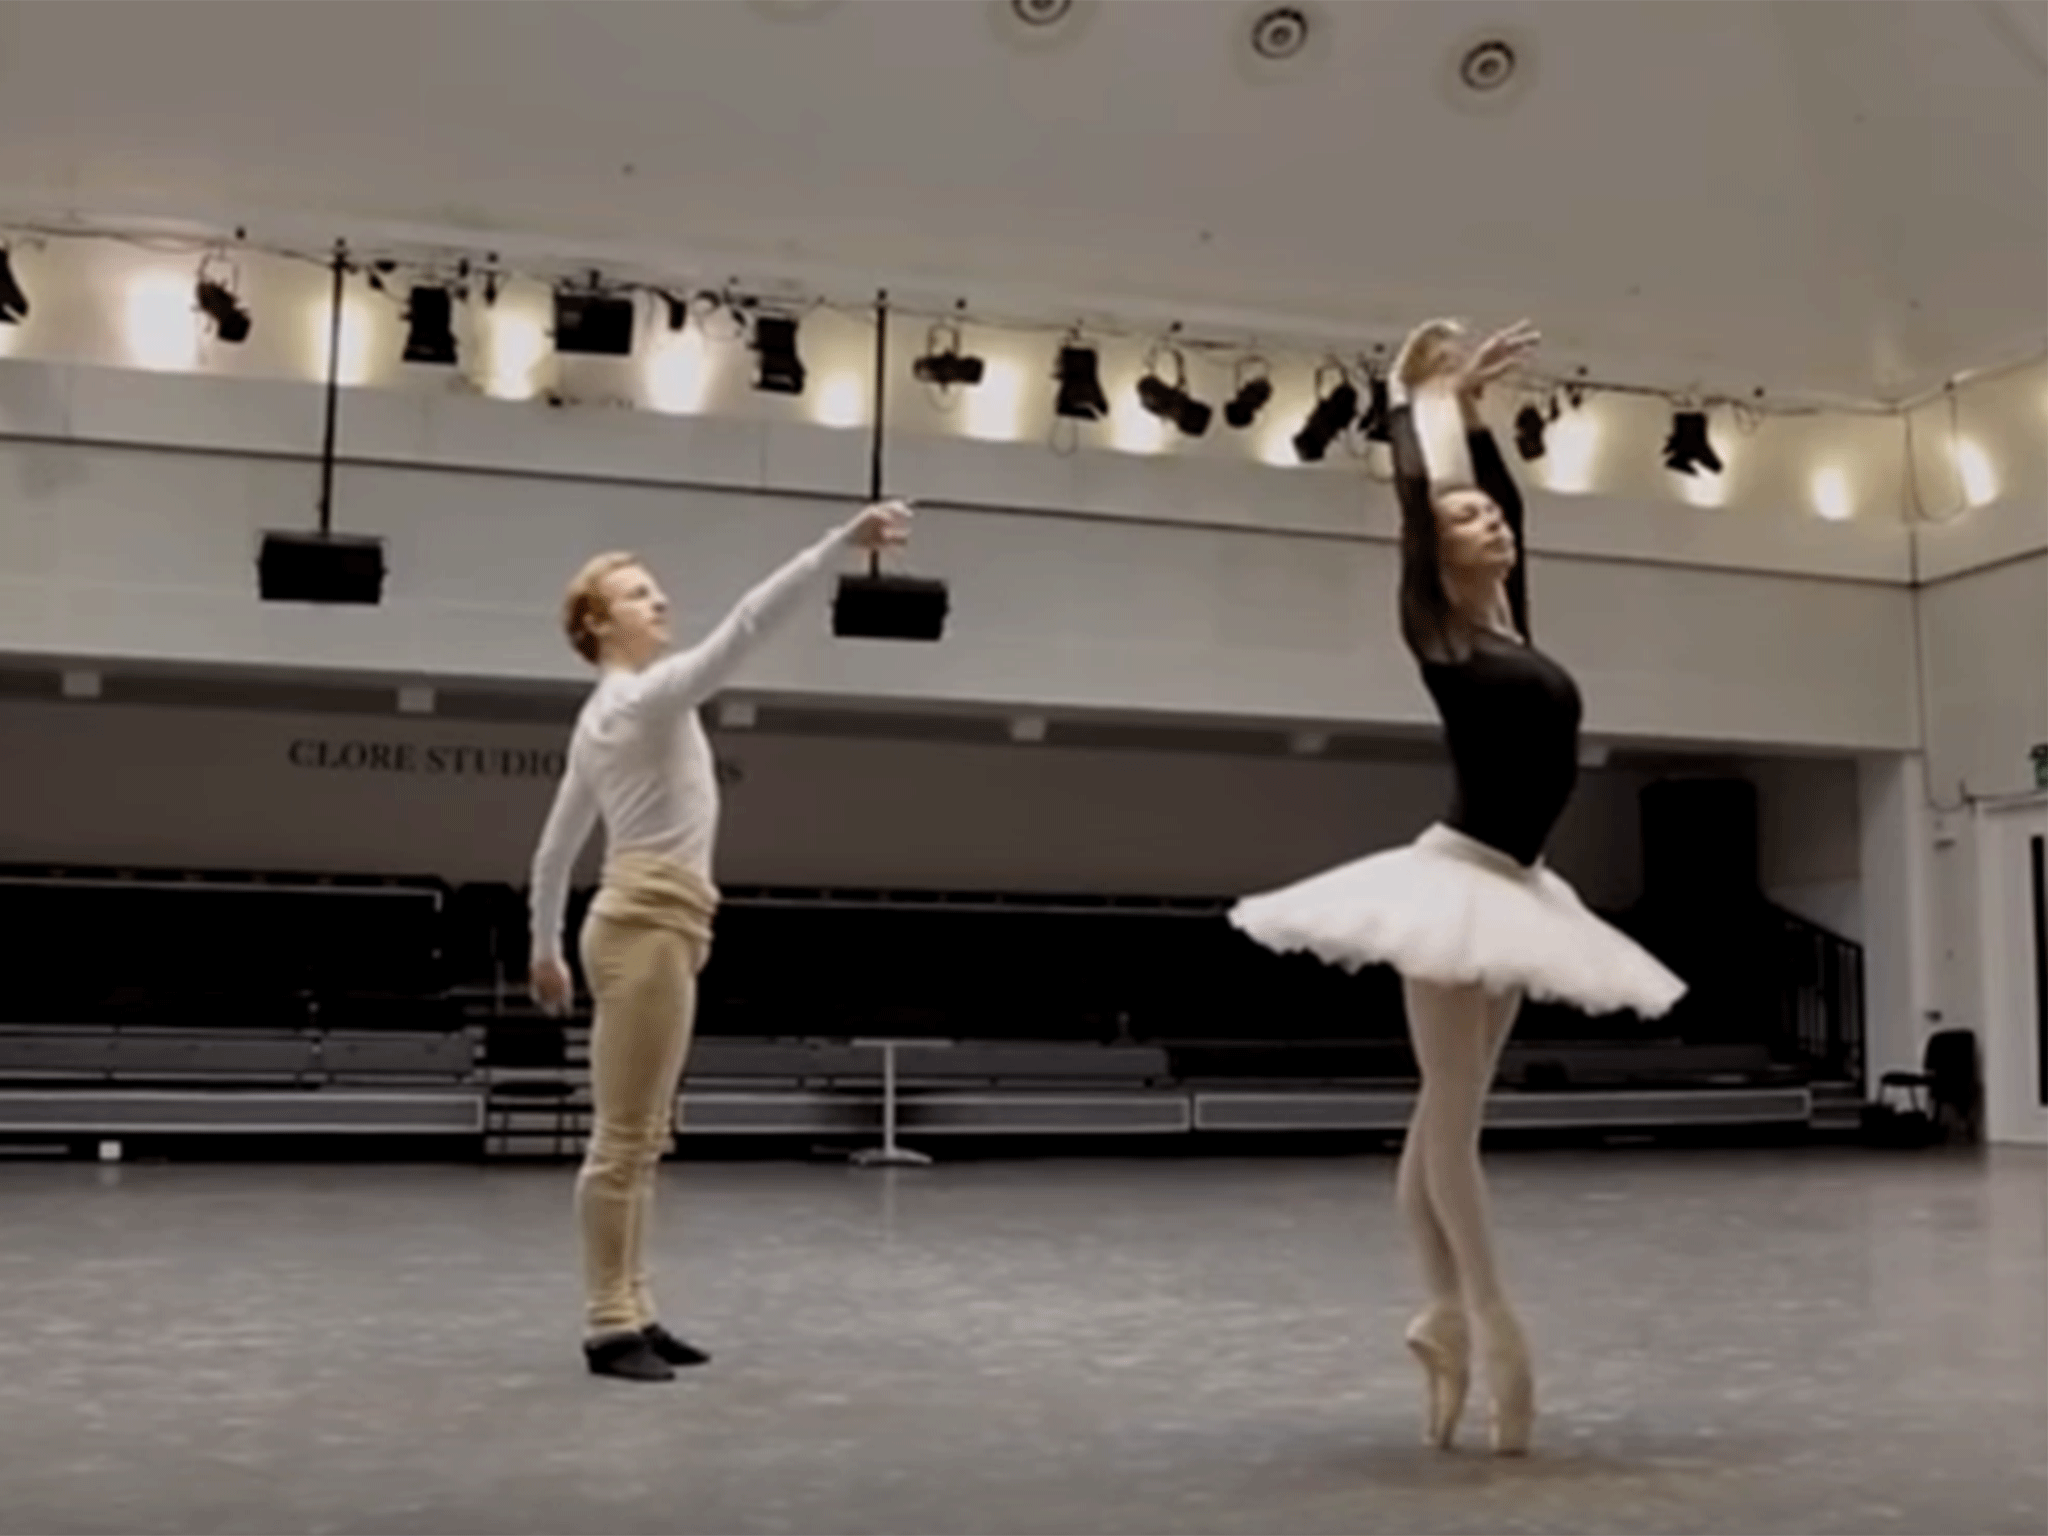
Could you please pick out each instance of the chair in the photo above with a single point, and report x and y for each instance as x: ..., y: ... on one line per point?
x: 1947, y: 1093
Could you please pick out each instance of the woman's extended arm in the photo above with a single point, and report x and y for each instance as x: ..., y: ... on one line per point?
x: 1491, y: 471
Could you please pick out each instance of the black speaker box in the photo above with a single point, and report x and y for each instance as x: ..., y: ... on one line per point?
x: 321, y: 568
x: 876, y: 607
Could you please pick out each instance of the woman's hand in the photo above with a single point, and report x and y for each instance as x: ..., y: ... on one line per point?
x: 1433, y: 350
x: 1500, y: 354
x: 883, y: 525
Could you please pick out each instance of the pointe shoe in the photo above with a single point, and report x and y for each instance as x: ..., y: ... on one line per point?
x: 1512, y: 1386
x: 1440, y: 1341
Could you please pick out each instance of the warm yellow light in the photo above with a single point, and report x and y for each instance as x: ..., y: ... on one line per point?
x: 518, y: 342
x: 1831, y: 498
x: 1973, y: 467
x: 841, y: 401
x: 994, y: 409
x: 356, y: 322
x: 1132, y: 428
x: 1572, y: 445
x: 678, y: 372
x: 1703, y: 490
x: 161, y: 324
x: 1276, y: 441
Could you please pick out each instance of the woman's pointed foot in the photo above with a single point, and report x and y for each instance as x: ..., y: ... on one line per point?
x: 1511, y: 1383
x: 1442, y: 1344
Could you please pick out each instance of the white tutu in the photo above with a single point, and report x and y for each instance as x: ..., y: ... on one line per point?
x: 1449, y: 909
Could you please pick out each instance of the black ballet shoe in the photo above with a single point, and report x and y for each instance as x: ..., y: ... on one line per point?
x: 671, y: 1348
x: 628, y: 1356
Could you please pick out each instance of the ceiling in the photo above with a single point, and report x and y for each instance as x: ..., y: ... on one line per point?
x: 1840, y: 196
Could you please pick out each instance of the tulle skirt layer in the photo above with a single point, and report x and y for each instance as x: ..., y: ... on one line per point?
x: 1449, y: 909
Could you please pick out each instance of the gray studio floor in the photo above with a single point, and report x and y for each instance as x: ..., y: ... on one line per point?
x: 1727, y: 1341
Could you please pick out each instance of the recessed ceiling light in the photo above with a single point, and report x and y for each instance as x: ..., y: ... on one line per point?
x: 1490, y: 72
x: 1487, y: 65
x: 1280, y: 33
x: 1041, y: 13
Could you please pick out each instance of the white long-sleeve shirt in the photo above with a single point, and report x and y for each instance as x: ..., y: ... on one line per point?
x: 639, y: 757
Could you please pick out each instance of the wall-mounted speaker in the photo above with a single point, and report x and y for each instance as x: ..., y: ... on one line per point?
x: 307, y: 567
x: 878, y: 607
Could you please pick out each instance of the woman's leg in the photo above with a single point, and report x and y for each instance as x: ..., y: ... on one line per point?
x: 1458, y: 1033
x: 644, y: 987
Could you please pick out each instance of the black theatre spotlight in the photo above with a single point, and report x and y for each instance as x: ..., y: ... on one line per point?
x: 591, y: 323
x: 1529, y: 426
x: 1172, y: 402
x: 1376, y: 423
x: 1080, y: 387
x: 430, y: 321
x: 1252, y: 394
x: 781, y: 371
x: 1687, y: 449
x: 1333, y: 413
x: 230, y: 320
x: 944, y: 364
x: 13, y: 302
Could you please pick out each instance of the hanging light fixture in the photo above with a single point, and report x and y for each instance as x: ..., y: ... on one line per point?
x: 216, y: 299
x: 1376, y: 424
x: 1080, y: 395
x: 1254, y: 388
x: 944, y: 365
x: 780, y: 371
x: 1171, y: 401
x: 1336, y: 408
x: 1688, y: 450
x: 13, y: 302
x: 430, y: 322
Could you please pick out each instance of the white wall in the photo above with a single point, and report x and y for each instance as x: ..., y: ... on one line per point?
x: 92, y: 782
x: 2011, y: 1040
x: 1809, y: 855
x: 1097, y: 581
x: 1983, y: 574
x: 1986, y: 653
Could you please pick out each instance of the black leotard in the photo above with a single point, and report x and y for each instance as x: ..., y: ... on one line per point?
x: 1510, y: 713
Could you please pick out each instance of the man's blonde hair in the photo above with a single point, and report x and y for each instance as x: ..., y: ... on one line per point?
x: 583, y: 605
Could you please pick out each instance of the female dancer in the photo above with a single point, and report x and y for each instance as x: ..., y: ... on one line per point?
x: 640, y: 760
x: 1468, y: 914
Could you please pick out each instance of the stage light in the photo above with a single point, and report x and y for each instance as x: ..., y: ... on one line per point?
x: 1333, y: 413
x: 430, y: 318
x: 1687, y: 450
x: 13, y: 302
x: 1252, y: 395
x: 781, y: 370
x: 230, y: 320
x: 1172, y: 402
x: 1080, y: 387
x: 593, y: 324
x: 944, y: 365
x: 1376, y: 425
x: 1529, y: 426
